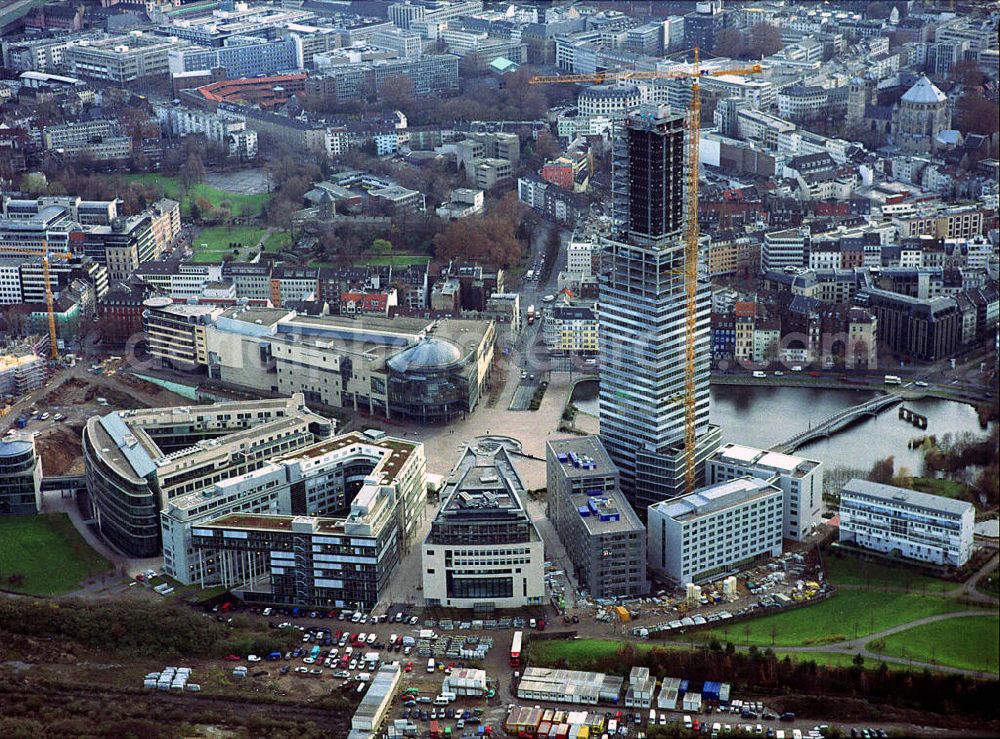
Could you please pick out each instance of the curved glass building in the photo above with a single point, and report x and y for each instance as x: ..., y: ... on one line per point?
x: 433, y: 381
x: 20, y: 475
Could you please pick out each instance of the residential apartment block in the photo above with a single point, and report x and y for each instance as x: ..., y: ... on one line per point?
x: 571, y: 329
x: 905, y: 523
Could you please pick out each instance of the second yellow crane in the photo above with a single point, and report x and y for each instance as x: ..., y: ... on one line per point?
x: 691, y: 234
x: 46, y: 256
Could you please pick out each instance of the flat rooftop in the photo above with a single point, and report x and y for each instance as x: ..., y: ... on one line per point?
x: 122, y: 441
x: 263, y: 316
x: 583, y: 456
x: 279, y: 524
x: 747, y: 456
x: 902, y: 496
x: 716, y: 497
x: 395, y: 452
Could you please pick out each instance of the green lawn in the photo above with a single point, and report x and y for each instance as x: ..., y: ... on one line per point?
x: 277, y: 241
x: 947, y: 488
x: 246, y: 205
x: 48, y: 552
x: 847, y: 615
x: 218, y: 238
x: 971, y: 643
x: 397, y: 260
x: 579, y: 653
x: 854, y: 571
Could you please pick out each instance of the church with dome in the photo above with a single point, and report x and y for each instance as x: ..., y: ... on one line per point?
x: 912, y: 123
x: 922, y: 114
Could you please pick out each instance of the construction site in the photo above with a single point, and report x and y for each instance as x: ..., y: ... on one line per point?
x: 57, y: 411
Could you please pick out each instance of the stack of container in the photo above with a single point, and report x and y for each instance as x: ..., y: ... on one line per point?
x: 181, y: 678
x: 166, y: 678
x: 476, y: 647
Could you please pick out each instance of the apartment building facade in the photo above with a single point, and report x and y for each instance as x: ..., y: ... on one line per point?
x: 906, y: 523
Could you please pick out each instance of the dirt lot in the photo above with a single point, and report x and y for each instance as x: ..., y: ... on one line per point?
x: 60, y: 450
x: 75, y: 393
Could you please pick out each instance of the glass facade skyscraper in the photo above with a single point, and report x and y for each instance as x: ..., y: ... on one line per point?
x: 643, y: 326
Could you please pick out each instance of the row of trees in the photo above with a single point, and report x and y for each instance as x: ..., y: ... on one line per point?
x: 758, y: 672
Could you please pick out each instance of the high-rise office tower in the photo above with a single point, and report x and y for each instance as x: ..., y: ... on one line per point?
x: 643, y: 327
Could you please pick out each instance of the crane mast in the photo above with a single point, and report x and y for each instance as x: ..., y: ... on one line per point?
x: 690, y: 269
x: 691, y: 280
x: 46, y: 260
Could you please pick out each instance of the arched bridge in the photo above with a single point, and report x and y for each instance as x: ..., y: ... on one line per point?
x: 838, y: 421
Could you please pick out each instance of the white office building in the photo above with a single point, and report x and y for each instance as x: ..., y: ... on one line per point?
x: 483, y: 550
x: 715, y: 530
x: 787, y: 248
x: 905, y: 523
x: 580, y: 257
x: 800, y: 479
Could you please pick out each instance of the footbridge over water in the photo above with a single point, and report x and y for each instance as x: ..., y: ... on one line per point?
x: 838, y: 421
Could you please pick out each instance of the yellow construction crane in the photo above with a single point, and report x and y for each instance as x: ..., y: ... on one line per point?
x: 692, y: 233
x: 45, y: 255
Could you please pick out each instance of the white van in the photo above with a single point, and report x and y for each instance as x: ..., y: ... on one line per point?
x: 652, y: 716
x: 441, y: 701
x: 758, y: 374
x: 430, y: 665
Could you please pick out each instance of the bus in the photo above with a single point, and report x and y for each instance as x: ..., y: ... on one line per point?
x: 893, y: 380
x: 515, y: 650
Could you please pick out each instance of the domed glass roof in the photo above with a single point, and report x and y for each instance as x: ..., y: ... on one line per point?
x: 431, y: 353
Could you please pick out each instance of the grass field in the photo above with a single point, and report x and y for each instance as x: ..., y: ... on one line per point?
x: 971, y: 643
x: 947, y: 488
x: 579, y: 653
x: 398, y: 260
x: 48, y: 552
x: 848, y: 615
x: 218, y: 238
x: 277, y: 241
x: 854, y: 571
x: 246, y: 205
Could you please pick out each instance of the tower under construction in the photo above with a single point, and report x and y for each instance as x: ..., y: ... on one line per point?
x: 644, y: 324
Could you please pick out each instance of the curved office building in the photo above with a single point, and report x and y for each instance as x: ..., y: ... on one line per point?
x: 137, y: 461
x: 122, y: 488
x: 433, y: 381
